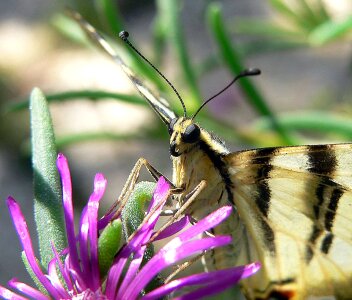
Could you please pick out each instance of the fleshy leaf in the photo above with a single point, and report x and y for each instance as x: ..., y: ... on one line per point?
x: 108, y: 244
x: 134, y: 212
x: 133, y: 215
x: 31, y: 273
x: 48, y: 211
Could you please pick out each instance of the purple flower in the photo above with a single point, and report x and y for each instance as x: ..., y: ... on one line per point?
x: 74, y: 273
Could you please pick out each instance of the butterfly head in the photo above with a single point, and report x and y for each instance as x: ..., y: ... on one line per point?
x: 184, y: 135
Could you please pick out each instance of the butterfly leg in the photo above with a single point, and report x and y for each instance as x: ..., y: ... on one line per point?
x: 154, y: 172
x: 156, y: 175
x: 132, y: 180
x: 188, y: 200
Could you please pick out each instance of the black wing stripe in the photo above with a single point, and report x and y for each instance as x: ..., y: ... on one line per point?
x: 326, y: 243
x: 263, y: 159
x: 329, y: 219
x: 332, y: 207
x: 316, y: 232
x: 322, y: 160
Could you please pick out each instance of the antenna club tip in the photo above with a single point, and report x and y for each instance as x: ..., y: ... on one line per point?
x: 253, y: 71
x: 124, y: 35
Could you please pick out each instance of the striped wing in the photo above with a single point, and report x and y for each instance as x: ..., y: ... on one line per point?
x: 296, y: 204
x: 159, y: 104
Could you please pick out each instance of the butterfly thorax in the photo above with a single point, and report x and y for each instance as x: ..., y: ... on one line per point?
x: 203, y: 159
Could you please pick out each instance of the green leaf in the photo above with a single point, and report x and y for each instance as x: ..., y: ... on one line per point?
x: 110, y: 15
x: 330, y: 31
x: 295, y: 17
x: 68, y: 28
x: 94, y: 95
x: 233, y: 61
x: 308, y: 13
x: 109, y: 243
x: 48, y: 210
x: 315, y: 121
x: 31, y: 273
x: 270, y: 46
x: 265, y: 29
x: 159, y: 40
x: 321, y: 11
x: 67, y: 140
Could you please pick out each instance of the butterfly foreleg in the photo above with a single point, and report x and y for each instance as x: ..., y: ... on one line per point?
x: 188, y: 200
x: 132, y: 180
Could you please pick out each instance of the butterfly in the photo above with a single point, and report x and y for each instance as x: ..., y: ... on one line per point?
x: 293, y: 205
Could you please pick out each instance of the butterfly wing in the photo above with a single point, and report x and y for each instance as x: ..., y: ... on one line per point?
x: 159, y: 104
x: 296, y: 204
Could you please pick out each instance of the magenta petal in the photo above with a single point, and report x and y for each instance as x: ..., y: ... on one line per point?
x: 115, y: 272
x: 120, y: 260
x: 220, y: 278
x: 54, y: 279
x: 27, y: 290
x: 161, y: 191
x: 206, y: 223
x: 209, y: 289
x: 250, y: 269
x: 79, y: 283
x: 174, y: 251
x: 65, y: 175
x: 84, y: 246
x: 227, y: 280
x: 63, y: 270
x: 104, y: 221
x: 23, y: 234
x: 142, y: 235
x: 93, y: 206
x: 132, y: 271
x: 9, y: 295
x: 174, y: 228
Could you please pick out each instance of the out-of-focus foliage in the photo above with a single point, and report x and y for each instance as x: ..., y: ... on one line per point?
x: 303, y: 23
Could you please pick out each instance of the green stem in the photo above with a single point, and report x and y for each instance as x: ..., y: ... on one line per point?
x: 314, y: 121
x: 95, y: 95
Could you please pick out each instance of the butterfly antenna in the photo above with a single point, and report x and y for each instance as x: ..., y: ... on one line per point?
x: 244, y: 73
x: 124, y: 36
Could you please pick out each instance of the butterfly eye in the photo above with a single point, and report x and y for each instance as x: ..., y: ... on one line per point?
x: 191, y: 134
x: 171, y: 125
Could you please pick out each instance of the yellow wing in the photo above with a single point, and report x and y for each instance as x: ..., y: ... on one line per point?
x: 296, y: 204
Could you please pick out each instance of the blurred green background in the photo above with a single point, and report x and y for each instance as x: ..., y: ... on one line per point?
x: 303, y: 48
